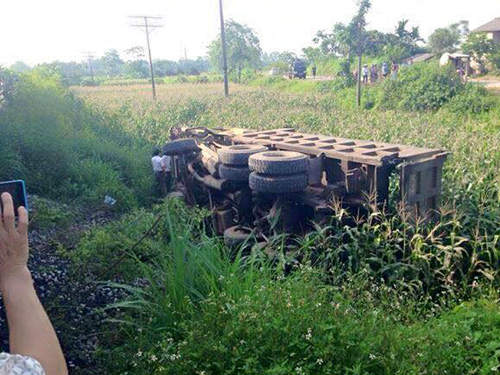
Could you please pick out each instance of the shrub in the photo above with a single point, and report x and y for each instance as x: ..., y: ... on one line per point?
x: 61, y: 147
x: 295, y: 327
x: 472, y: 99
x: 420, y: 87
x: 143, y: 238
x: 107, y: 252
x: 201, y: 313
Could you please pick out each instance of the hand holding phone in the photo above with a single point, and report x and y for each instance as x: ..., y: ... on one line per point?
x: 17, y: 189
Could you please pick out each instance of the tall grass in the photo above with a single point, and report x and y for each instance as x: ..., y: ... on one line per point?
x: 198, y: 311
x: 376, y: 296
x: 65, y: 150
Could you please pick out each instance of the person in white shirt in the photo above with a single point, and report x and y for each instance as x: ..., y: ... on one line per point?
x: 167, y: 164
x: 161, y: 170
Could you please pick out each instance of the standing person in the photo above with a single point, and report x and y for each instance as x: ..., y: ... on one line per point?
x: 314, y: 70
x: 365, y: 73
x: 34, y: 347
x: 167, y: 167
x: 159, y: 172
x: 395, y: 70
x: 374, y: 73
x: 385, y: 70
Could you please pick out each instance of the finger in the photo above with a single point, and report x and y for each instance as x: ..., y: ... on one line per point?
x: 22, y: 224
x: 8, y: 212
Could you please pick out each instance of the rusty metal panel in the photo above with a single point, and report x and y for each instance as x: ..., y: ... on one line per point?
x: 359, y: 151
x: 421, y: 187
x: 365, y: 166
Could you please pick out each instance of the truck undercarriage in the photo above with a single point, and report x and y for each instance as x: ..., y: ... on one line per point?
x: 264, y: 182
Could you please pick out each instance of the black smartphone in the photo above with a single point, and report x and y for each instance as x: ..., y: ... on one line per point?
x: 18, y: 191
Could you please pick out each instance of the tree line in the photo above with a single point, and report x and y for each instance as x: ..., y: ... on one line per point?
x: 112, y: 64
x: 344, y: 40
x: 340, y: 44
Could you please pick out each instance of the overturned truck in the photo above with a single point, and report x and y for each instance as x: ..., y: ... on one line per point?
x: 261, y: 182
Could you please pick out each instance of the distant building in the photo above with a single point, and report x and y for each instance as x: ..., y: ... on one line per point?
x: 421, y: 57
x: 491, y: 29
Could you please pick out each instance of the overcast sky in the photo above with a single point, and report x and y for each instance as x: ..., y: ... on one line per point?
x: 45, y: 30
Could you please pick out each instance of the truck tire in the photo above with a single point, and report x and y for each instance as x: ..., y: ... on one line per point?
x: 281, y: 184
x: 278, y: 162
x: 180, y: 146
x: 235, y: 236
x: 238, y: 154
x: 234, y: 173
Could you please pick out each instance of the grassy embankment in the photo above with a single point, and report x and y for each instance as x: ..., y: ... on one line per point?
x: 380, y: 298
x: 385, y: 298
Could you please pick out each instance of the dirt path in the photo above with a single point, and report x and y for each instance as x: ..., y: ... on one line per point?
x: 73, y: 303
x: 320, y: 78
x: 489, y: 82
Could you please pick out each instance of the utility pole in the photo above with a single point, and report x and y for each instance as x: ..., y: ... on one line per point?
x: 224, y: 51
x: 91, y: 68
x: 148, y: 25
x: 360, y: 55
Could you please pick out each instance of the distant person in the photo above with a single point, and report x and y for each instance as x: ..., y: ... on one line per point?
x: 34, y: 347
x: 314, y: 70
x: 385, y: 70
x: 374, y: 73
x: 395, y: 70
x: 364, y: 73
x: 167, y: 165
x: 159, y: 170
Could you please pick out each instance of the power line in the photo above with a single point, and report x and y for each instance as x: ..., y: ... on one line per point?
x: 148, y: 24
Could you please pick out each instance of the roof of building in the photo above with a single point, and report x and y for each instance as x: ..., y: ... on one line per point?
x: 421, y: 57
x: 489, y: 27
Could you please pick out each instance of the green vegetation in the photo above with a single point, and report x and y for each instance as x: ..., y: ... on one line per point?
x: 65, y: 150
x: 380, y: 296
x: 420, y: 87
x: 243, y: 50
x: 204, y: 312
x: 448, y: 39
x: 112, y: 66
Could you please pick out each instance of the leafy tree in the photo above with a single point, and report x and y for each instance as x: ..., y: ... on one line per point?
x: 408, y: 39
x: 448, y: 39
x: 193, y: 67
x: 135, y: 53
x: 344, y: 40
x: 480, y: 46
x: 165, y: 68
x: 110, y: 64
x: 339, y: 42
x: 136, y: 69
x: 20, y: 67
x: 136, y: 66
x: 278, y: 57
x: 69, y: 73
x: 411, y: 37
x: 243, y: 49
x: 312, y: 54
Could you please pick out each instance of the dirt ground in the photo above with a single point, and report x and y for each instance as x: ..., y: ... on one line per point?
x: 489, y: 82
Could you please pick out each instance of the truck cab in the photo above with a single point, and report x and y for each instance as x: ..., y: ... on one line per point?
x: 298, y: 69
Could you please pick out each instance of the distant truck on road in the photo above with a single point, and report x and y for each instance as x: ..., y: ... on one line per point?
x: 298, y: 69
